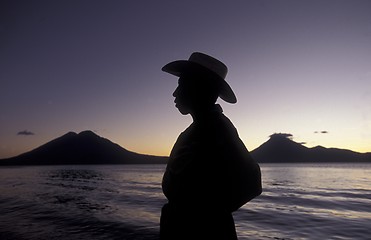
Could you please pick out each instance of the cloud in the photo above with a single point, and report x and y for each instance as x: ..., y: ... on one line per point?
x: 25, y: 133
x: 285, y: 135
x: 322, y: 132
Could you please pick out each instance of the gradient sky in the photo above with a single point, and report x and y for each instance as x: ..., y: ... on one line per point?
x: 299, y: 67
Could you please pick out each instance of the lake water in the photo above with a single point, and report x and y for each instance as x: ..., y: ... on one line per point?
x: 299, y: 201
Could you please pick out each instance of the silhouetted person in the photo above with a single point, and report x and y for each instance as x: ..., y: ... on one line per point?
x: 210, y: 173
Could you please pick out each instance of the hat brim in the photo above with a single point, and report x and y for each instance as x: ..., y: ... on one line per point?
x: 180, y: 67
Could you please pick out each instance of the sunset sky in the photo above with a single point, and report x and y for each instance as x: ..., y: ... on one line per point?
x: 298, y: 67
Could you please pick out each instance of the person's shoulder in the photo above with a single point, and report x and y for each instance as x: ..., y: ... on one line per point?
x: 226, y: 121
x: 222, y: 125
x: 186, y: 132
x: 223, y: 121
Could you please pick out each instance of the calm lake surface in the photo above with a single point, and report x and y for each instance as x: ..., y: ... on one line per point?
x: 299, y: 201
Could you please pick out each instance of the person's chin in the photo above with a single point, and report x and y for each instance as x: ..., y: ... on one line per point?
x: 182, y: 110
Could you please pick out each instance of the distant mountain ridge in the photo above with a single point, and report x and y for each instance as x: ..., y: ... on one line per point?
x: 83, y: 148
x: 281, y: 149
x: 88, y: 148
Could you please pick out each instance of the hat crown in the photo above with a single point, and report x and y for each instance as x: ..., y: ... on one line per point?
x: 210, y: 63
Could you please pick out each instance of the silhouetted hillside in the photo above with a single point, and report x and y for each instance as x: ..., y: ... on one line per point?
x: 83, y: 148
x: 280, y: 149
x: 89, y: 148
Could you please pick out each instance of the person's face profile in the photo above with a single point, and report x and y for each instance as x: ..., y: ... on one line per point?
x: 193, y: 92
x: 183, y: 96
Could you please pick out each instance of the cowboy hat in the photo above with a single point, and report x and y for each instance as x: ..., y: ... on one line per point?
x: 202, y: 63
